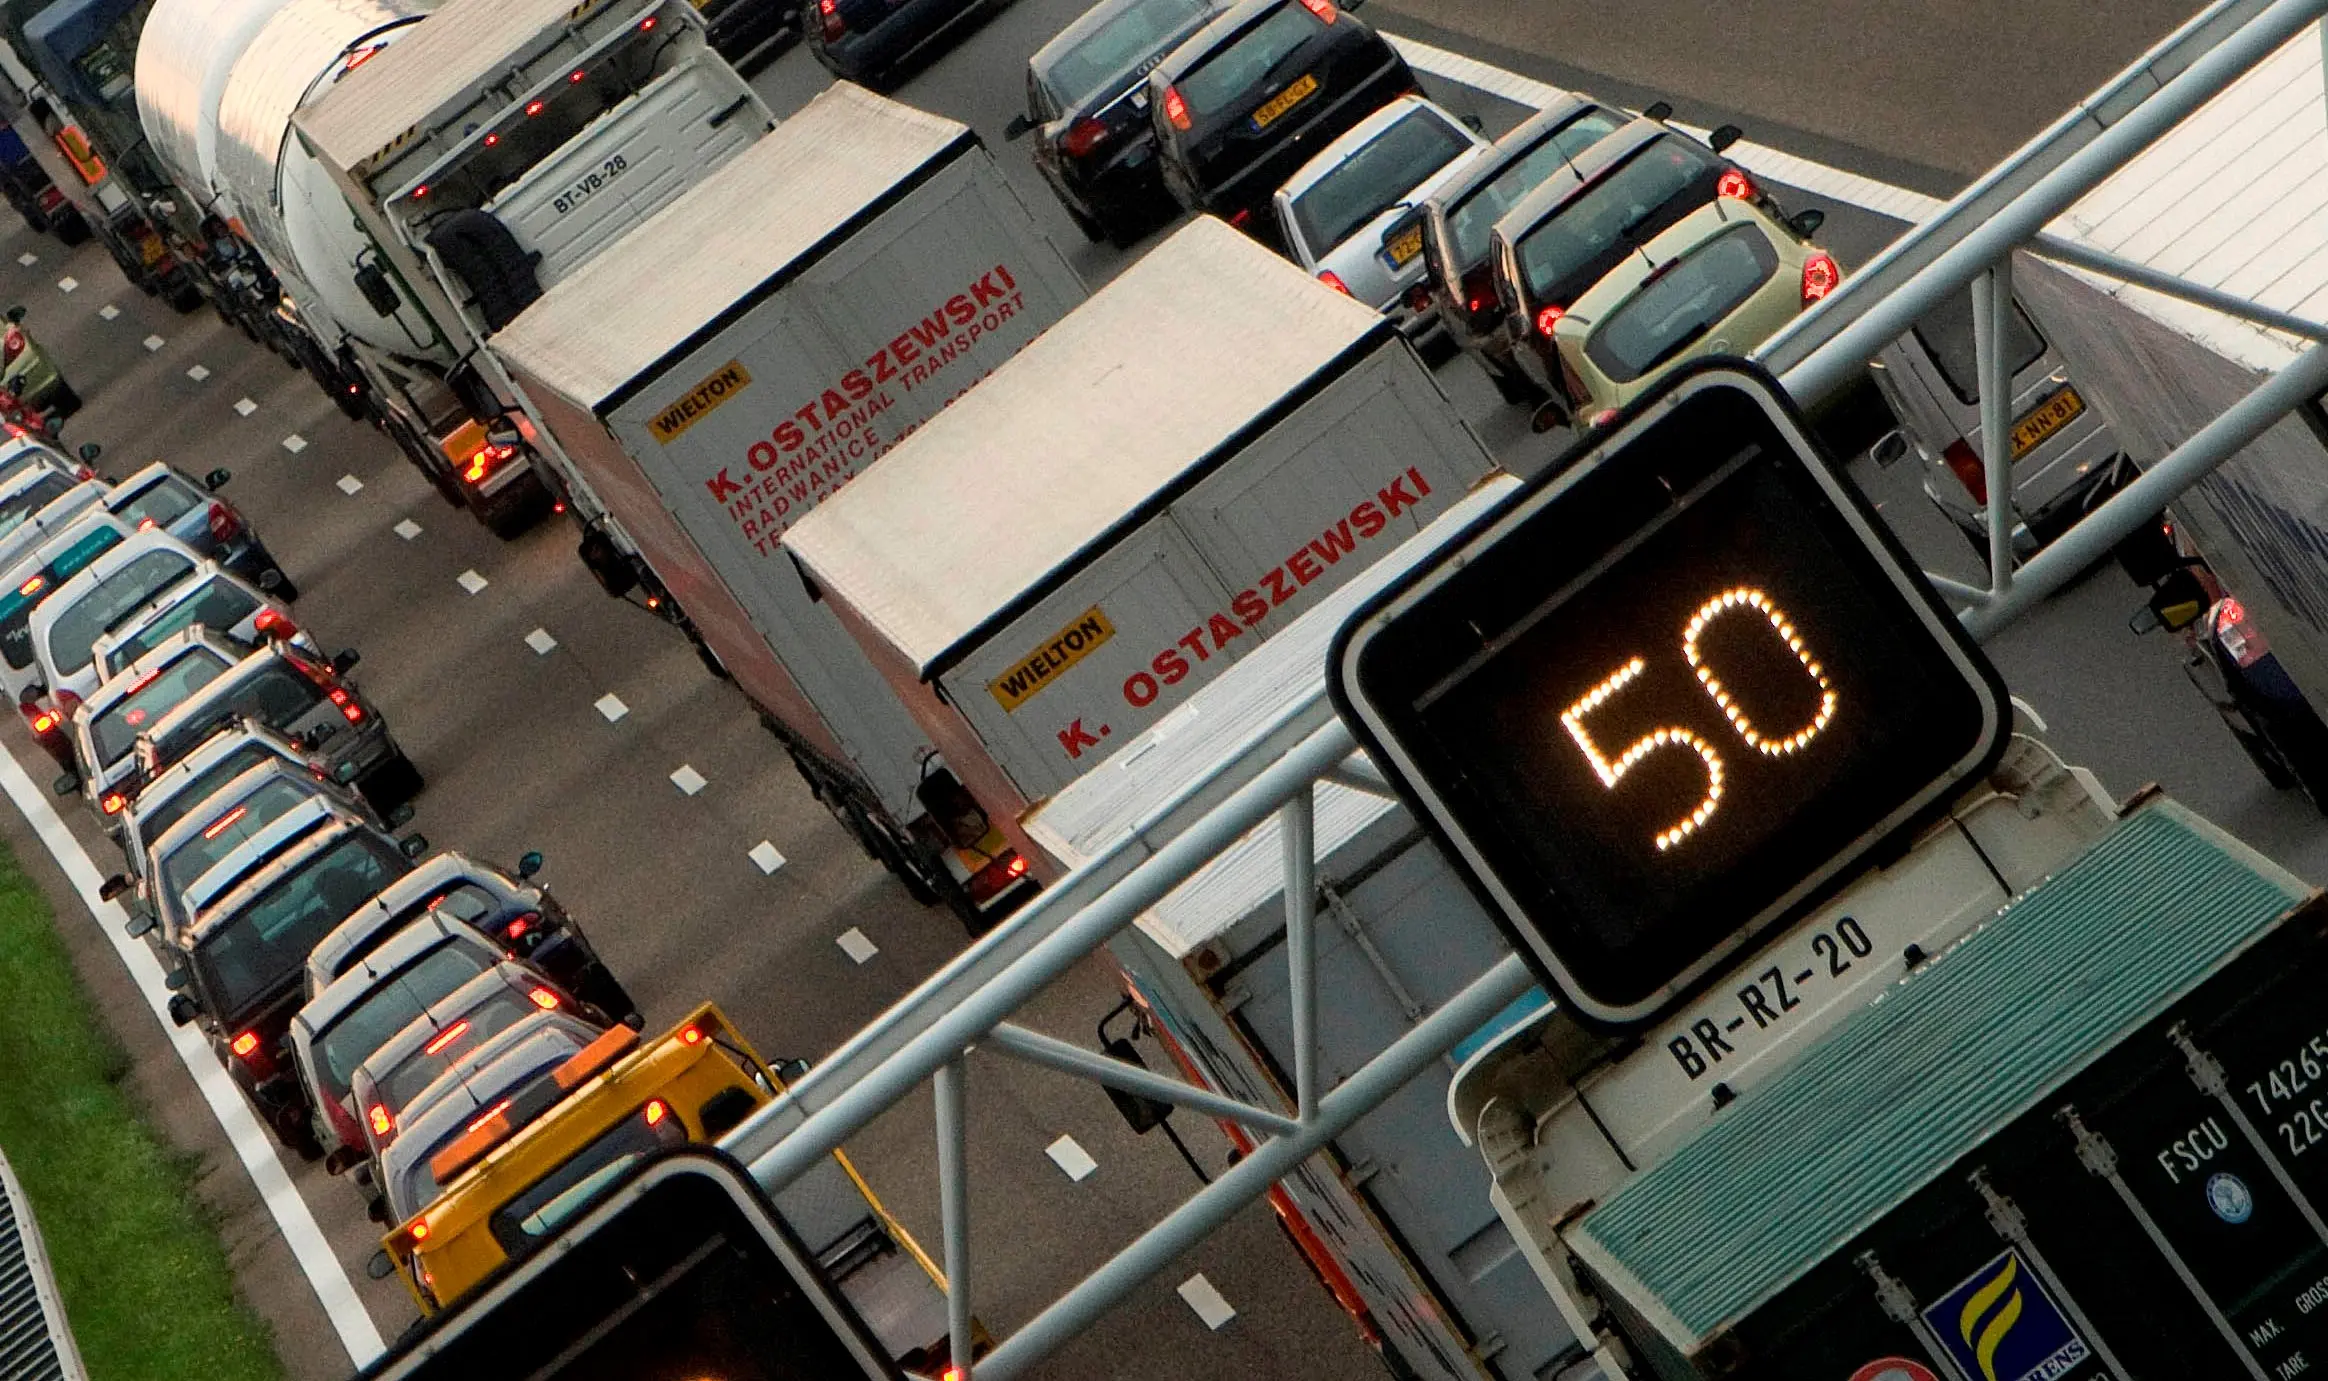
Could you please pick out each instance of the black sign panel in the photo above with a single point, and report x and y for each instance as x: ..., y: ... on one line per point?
x: 1668, y: 694
x: 683, y: 1273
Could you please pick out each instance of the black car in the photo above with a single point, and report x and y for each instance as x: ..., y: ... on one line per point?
x: 1552, y: 247
x: 1087, y: 105
x: 1242, y: 105
x: 868, y: 41
x: 750, y: 32
x: 1457, y: 222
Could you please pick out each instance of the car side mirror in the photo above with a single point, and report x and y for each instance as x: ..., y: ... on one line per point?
x: 413, y: 845
x: 376, y: 1209
x: 1807, y: 223
x: 530, y: 863
x: 381, y: 1266
x: 1724, y: 137
x: 1019, y: 127
x: 1473, y: 123
x: 140, y: 924
x: 182, y: 1012
x: 400, y: 817
x: 1550, y: 415
x: 52, y: 426
x: 15, y: 316
x: 216, y: 479
x: 89, y: 451
x: 66, y: 785
x: 340, y: 1160
x: 112, y: 887
x: 1889, y: 449
x: 345, y: 660
x: 178, y: 978
x: 1658, y: 110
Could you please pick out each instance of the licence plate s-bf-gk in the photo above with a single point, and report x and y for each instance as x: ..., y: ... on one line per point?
x: 1284, y: 101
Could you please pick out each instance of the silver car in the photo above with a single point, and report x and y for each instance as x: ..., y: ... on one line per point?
x: 213, y: 598
x: 107, y: 726
x: 1351, y: 215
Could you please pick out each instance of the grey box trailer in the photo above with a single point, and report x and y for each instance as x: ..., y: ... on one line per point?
x: 1161, y: 483
x: 737, y: 359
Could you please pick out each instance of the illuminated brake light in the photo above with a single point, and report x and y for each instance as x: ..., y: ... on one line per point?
x: 647, y: 25
x: 382, y: 1123
x: 1323, y: 9
x: 484, y: 459
x: 1548, y: 318
x: 2243, y: 640
x: 420, y: 191
x: 349, y: 710
x: 43, y: 722
x: 1820, y: 275
x: 1017, y: 868
x: 574, y: 78
x: 829, y: 11
x: 1334, y: 280
x: 445, y: 1037
x: 657, y: 1110
x: 1967, y: 467
x: 518, y: 928
x: 113, y: 802
x: 418, y: 1232
x: 219, y: 826
x: 1176, y: 109
x: 544, y: 999
x: 244, y: 1044
x: 1735, y: 185
x: 688, y: 1035
x: 490, y: 141
x: 145, y: 524
x: 489, y: 1114
x: 32, y: 586
x: 533, y: 108
x: 275, y: 623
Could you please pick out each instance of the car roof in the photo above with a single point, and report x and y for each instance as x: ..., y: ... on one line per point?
x: 82, y: 525
x: 303, y: 832
x: 237, y: 790
x: 503, y: 977
x: 1517, y: 141
x: 204, y: 573
x: 208, y: 754
x: 1620, y: 144
x: 518, y: 1056
x: 252, y: 661
x: 145, y: 479
x: 107, y: 564
x: 1090, y: 22
x: 183, y: 643
x: 31, y: 475
x: 1201, y: 44
x: 361, y: 924
x: 1365, y: 132
x: 1670, y: 244
x: 408, y: 946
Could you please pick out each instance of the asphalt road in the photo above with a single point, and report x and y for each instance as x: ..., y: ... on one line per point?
x: 518, y: 756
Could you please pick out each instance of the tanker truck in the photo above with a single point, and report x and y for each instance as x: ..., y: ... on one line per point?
x: 223, y: 83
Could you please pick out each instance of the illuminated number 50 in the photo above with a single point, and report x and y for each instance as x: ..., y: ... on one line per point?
x: 1668, y: 736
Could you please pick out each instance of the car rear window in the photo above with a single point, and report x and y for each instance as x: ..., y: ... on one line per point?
x: 373, y: 1021
x: 1231, y: 72
x: 1604, y: 216
x: 27, y: 460
x: 1109, y: 52
x: 117, y: 594
x: 550, y: 1202
x: 1946, y: 335
x: 154, y: 821
x: 263, y: 944
x: 16, y: 605
x: 32, y: 498
x: 220, y: 606
x: 520, y: 1086
x: 1681, y: 303
x: 161, y: 503
x: 1376, y: 177
x: 232, y: 827
x: 1471, y: 216
x: 114, y: 732
x: 395, y: 1086
x: 275, y: 695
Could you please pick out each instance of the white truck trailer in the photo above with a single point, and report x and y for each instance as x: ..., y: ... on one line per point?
x: 492, y: 154
x: 1158, y: 485
x: 810, y: 303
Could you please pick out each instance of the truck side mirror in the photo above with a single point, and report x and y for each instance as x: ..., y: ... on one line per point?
x: 1019, y: 127
x: 112, y: 887
x: 376, y: 1209
x: 413, y: 845
x: 530, y: 863
x: 215, y: 480
x: 1807, y: 223
x: 345, y: 660
x: 1551, y: 413
x: 1724, y: 137
x: 140, y: 924
x: 1889, y: 449
x: 89, y: 451
x: 182, y: 1011
x: 341, y: 1160
x: 1142, y: 1115
x: 2144, y: 620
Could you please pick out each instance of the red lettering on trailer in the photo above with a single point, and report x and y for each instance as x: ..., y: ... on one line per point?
x: 1279, y: 590
x: 1193, y: 640
x: 1171, y: 666
x: 1075, y: 738
x: 723, y: 488
x: 883, y: 370
x: 1249, y: 606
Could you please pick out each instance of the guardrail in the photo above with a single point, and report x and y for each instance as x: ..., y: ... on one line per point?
x: 36, y: 1344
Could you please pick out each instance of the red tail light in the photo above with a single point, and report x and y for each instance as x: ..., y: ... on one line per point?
x: 1083, y: 136
x: 544, y: 999
x: 11, y: 346
x: 1603, y: 417
x: 225, y: 523
x: 657, y: 1110
x: 1547, y: 318
x: 113, y: 802
x: 1968, y: 469
x: 445, y: 1037
x: 43, y: 721
x: 382, y: 1123
x: 1820, y: 275
x: 2243, y: 640
x: 1176, y: 109
x: 518, y: 929
x: 834, y: 25
x: 244, y: 1044
x: 485, y: 460
x: 1323, y: 9
x: 1334, y: 280
x: 276, y: 624
x: 1734, y: 185
x: 349, y: 710
x: 689, y: 1035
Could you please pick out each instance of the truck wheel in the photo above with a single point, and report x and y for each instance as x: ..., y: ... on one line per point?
x: 1093, y: 230
x: 70, y: 227
x: 188, y: 298
x: 892, y: 853
x: 393, y: 784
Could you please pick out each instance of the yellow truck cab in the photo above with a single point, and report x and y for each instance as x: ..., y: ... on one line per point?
x: 513, y: 1179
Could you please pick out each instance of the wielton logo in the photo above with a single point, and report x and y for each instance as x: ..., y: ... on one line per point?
x: 2001, y: 1325
x: 725, y: 382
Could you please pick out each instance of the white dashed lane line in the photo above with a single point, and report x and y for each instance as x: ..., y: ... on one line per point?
x: 68, y: 284
x: 471, y: 581
x: 541, y: 642
x: 611, y: 706
x: 295, y: 443
x: 108, y: 312
x: 1073, y: 1161
x: 350, y: 485
x: 854, y: 944
x: 1205, y: 1298
x: 243, y: 407
x: 28, y: 258
x: 688, y: 780
x: 407, y: 529
x: 198, y: 373
x: 765, y: 856
x: 154, y: 343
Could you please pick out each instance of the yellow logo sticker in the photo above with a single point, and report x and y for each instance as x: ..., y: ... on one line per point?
x: 725, y: 382
x: 1031, y: 673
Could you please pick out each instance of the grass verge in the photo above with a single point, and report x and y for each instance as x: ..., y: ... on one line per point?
x: 144, y: 1278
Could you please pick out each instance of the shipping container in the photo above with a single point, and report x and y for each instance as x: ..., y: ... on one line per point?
x: 1149, y: 492
x: 782, y: 326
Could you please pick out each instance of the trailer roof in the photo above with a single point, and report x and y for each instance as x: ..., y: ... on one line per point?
x: 724, y: 244
x: 464, y: 43
x: 1172, y: 365
x: 1909, y: 1085
x: 2234, y: 198
x: 1227, y: 719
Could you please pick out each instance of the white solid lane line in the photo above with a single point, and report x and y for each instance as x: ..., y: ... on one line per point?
x: 1819, y: 179
x: 357, y: 1333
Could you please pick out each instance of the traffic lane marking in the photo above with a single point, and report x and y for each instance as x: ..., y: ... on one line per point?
x: 68, y: 284
x: 243, y: 406
x: 295, y: 443
x: 610, y: 705
x: 470, y: 581
x: 198, y: 373
x: 1203, y: 1297
x: 349, y: 485
x: 765, y: 856
x: 407, y: 529
x: 688, y: 780
x: 252, y: 1146
x: 854, y: 944
x: 1073, y: 1161
x: 539, y: 640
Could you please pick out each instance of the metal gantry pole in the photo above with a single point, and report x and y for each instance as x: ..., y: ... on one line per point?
x: 1992, y: 305
x: 954, y: 1206
x: 1052, y: 1053
x: 1297, y: 827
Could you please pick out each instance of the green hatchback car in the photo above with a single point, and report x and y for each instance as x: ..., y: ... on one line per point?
x: 1720, y: 281
x: 28, y: 372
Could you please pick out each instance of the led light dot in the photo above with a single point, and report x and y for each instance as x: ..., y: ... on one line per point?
x: 1743, y: 597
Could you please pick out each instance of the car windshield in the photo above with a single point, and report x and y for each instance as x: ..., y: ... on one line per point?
x: 463, y: 901
x: 1472, y: 216
x: 397, y: 1085
x: 1129, y: 38
x: 154, y: 817
x: 1946, y: 334
x: 159, y: 504
x: 373, y: 1021
x: 113, y: 733
x: 233, y: 827
x: 262, y: 945
x: 220, y: 605
x: 1681, y: 303
x: 32, y: 498
x: 1231, y: 71
x: 1375, y: 177
x: 553, y: 1200
x: 98, y: 609
x: 275, y: 695
x: 16, y: 605
x: 1607, y: 214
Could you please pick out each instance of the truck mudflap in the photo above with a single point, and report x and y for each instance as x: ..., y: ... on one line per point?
x: 2084, y: 1143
